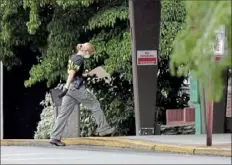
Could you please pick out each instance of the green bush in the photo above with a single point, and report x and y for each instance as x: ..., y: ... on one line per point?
x: 116, y: 103
x: 47, y: 119
x: 87, y: 122
x: 46, y: 124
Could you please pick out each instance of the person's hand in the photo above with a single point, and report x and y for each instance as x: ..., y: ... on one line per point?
x: 63, y: 93
x: 89, y: 75
x: 85, y: 74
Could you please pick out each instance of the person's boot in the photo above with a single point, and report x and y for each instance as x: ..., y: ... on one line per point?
x: 108, y: 132
x: 57, y: 142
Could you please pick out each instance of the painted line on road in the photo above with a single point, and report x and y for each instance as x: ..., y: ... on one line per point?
x: 55, y: 158
x: 49, y: 158
x: 31, y: 154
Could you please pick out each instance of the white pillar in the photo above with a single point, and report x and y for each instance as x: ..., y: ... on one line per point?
x: 1, y: 98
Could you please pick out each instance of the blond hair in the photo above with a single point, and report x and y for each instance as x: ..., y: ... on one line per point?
x: 89, y: 47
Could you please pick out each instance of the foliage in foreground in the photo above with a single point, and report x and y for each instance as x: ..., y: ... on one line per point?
x: 193, y: 48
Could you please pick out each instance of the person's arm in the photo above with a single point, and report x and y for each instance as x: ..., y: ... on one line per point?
x: 71, y: 74
x: 73, y: 67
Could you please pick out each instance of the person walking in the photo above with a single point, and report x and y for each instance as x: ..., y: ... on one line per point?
x: 74, y: 92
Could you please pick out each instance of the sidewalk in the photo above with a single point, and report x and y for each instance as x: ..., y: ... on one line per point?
x: 196, y: 140
x: 184, y: 144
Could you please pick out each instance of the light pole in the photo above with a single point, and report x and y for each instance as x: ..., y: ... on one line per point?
x: 216, y: 112
x: 145, y: 16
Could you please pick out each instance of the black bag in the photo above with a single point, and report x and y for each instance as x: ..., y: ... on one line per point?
x: 54, y: 95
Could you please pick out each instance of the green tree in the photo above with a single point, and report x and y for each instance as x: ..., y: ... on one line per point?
x: 194, y: 44
x: 116, y: 97
x: 14, y: 32
x: 53, y: 28
x: 101, y: 22
x: 168, y: 87
x: 105, y: 24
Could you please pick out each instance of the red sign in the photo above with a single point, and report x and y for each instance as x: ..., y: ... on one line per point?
x: 148, y: 57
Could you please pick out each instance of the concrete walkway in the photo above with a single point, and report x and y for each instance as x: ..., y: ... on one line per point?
x: 218, y: 140
x: 184, y: 144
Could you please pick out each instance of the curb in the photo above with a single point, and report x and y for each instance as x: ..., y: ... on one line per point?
x: 125, y: 143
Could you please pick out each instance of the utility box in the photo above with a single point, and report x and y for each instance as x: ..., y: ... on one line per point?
x: 72, y: 128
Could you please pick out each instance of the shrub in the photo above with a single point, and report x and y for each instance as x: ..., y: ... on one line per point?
x: 47, y: 119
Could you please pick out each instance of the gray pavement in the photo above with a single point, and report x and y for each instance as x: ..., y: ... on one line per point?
x: 98, y: 155
x: 217, y: 139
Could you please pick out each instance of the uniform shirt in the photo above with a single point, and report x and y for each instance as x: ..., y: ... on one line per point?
x: 76, y: 63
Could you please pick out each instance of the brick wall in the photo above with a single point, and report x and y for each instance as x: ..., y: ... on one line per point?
x: 180, y: 116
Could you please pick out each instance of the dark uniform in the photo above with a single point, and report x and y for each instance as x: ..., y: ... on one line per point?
x: 77, y: 94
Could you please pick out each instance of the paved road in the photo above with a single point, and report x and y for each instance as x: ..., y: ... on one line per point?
x: 97, y: 155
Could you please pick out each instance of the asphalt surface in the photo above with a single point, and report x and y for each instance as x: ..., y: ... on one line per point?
x: 98, y: 155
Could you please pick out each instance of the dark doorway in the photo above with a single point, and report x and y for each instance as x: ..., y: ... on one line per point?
x: 21, y: 105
